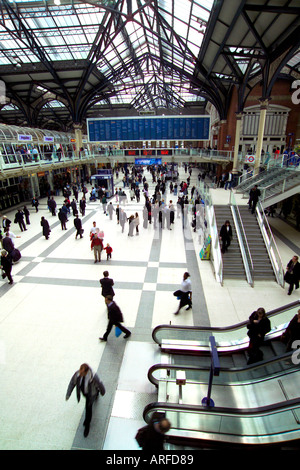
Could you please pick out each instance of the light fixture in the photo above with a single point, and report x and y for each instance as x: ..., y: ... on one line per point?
x: 57, y: 2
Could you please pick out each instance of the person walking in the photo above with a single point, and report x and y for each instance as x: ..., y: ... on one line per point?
x: 52, y: 206
x: 110, y: 210
x: 89, y: 385
x: 136, y: 223
x: 104, y: 203
x: 82, y: 206
x: 123, y: 219
x: 185, y: 293
x: 225, y: 236
x: 35, y: 203
x: 78, y: 226
x: 118, y: 213
x: 109, y: 251
x: 19, y: 219
x: 6, y: 265
x: 46, y: 227
x: 254, y: 195
x: 107, y: 285
x: 97, y: 245
x: 27, y: 215
x: 63, y: 219
x: 115, y: 318
x: 292, y: 275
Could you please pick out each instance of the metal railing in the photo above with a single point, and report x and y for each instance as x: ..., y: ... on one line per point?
x: 242, y: 239
x: 270, y: 244
x: 216, y: 257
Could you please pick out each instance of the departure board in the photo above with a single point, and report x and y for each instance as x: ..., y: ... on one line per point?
x: 148, y: 128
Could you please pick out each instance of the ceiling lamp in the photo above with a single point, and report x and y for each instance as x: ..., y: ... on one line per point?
x: 57, y: 2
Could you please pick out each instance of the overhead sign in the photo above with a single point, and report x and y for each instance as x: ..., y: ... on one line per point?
x: 148, y: 128
x: 24, y: 138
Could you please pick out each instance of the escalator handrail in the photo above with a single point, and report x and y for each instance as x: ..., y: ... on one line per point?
x: 233, y: 370
x: 219, y: 328
x: 266, y: 409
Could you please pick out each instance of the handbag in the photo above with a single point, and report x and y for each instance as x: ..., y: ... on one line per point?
x: 117, y: 331
x: 288, y: 277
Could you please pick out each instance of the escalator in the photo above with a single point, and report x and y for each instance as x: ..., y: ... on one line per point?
x: 194, y: 340
x: 256, y: 405
x: 193, y: 427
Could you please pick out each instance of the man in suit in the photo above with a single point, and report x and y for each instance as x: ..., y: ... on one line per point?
x: 115, y: 318
x: 78, y: 226
x: 226, y: 236
x: 253, y: 198
x: 107, y: 285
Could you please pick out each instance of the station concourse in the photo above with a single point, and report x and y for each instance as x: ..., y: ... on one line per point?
x: 53, y: 315
x: 67, y: 67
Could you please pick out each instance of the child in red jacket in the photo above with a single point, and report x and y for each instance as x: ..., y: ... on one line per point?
x: 108, y: 250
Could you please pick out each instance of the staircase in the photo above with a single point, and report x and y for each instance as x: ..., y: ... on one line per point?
x: 275, y: 185
x: 233, y: 266
x: 262, y: 267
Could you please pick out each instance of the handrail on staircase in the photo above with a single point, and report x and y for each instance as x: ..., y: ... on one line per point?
x: 279, y: 163
x: 242, y: 239
x: 204, y: 190
x: 270, y: 244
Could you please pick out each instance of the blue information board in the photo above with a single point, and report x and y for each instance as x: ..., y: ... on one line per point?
x: 145, y: 128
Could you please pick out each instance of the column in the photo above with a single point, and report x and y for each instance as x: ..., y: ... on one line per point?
x: 260, y: 136
x: 34, y: 183
x: 237, y: 142
x: 78, y: 138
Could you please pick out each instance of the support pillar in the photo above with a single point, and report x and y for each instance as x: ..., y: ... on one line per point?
x: 237, y: 142
x: 260, y: 136
x: 78, y: 138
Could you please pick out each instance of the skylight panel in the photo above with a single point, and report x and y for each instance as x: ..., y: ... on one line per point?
x: 68, y: 20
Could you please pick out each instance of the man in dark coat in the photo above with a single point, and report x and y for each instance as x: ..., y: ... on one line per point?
x: 82, y: 205
x: 46, y: 227
x: 19, y: 219
x: 52, y: 206
x: 115, y: 318
x: 107, y: 285
x: 259, y: 325
x: 78, y: 226
x: 7, y: 243
x: 292, y: 275
x: 63, y: 219
x: 226, y: 236
x: 6, y: 264
x: 253, y: 198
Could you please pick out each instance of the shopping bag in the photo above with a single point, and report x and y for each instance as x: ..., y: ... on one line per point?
x: 117, y: 331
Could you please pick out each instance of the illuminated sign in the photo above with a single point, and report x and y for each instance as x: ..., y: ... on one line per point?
x: 24, y: 138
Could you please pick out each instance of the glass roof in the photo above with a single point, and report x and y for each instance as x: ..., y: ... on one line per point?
x: 133, y: 44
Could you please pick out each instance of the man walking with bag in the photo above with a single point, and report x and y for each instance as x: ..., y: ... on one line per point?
x: 115, y: 318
